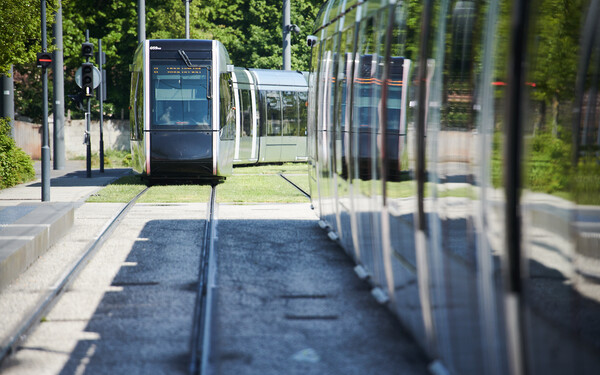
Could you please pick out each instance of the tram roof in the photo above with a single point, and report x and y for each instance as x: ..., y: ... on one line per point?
x: 278, y: 79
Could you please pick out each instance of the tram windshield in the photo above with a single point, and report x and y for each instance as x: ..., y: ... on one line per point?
x: 180, y: 95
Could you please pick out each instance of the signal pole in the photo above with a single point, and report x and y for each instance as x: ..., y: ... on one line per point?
x: 8, y: 99
x: 45, y: 140
x: 88, y: 141
x: 59, y: 93
x: 101, y: 98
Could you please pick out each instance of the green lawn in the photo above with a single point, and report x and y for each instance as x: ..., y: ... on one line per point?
x: 247, y: 185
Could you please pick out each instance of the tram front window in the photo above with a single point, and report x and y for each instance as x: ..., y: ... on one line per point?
x: 180, y: 95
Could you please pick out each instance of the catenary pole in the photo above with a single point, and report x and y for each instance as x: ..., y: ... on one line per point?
x: 187, y: 19
x: 141, y: 21
x: 59, y: 93
x: 287, y: 51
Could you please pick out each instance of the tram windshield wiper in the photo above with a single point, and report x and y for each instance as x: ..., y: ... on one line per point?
x: 189, y: 64
x: 187, y: 60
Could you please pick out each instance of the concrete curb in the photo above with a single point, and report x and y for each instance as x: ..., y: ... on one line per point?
x: 36, y: 227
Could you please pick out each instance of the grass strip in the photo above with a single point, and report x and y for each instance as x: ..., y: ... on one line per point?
x: 257, y: 184
x: 258, y: 189
x: 120, y: 191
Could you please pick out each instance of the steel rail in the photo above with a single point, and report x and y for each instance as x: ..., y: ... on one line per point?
x: 199, y: 341
x: 58, y: 288
x: 294, y: 185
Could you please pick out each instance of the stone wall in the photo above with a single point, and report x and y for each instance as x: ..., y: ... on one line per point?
x: 28, y: 136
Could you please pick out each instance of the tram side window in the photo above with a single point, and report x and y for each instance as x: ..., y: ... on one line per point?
x: 139, y: 108
x: 302, y: 113
x: 246, y: 110
x: 227, y: 113
x: 290, y: 113
x: 273, y: 102
x: 132, y: 106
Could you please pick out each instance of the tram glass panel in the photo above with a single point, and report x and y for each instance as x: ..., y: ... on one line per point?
x: 139, y: 147
x: 136, y: 122
x: 326, y: 160
x: 246, y: 123
x: 560, y: 202
x: 451, y: 164
x: 181, y: 118
x: 179, y: 96
x: 400, y: 201
x: 312, y: 124
x: 381, y: 20
x: 489, y: 190
x: 139, y: 107
x: 361, y: 141
x: 302, y: 124
x: 289, y: 109
x: 342, y: 131
x: 272, y: 141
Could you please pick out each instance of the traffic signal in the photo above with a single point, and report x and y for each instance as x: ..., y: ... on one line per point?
x: 44, y: 59
x: 87, y: 49
x: 87, y: 79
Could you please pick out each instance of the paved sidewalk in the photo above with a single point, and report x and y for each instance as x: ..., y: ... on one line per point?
x: 28, y: 226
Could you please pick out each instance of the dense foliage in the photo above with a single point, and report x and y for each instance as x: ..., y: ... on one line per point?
x: 20, y: 35
x: 250, y: 30
x: 15, y: 165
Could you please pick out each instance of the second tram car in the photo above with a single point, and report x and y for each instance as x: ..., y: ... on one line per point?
x: 182, y: 118
x: 271, y: 111
x: 454, y: 153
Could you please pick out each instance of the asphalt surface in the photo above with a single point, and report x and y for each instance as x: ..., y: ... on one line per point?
x: 286, y: 300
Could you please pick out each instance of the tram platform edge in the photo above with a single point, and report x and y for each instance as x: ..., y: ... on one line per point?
x: 29, y: 227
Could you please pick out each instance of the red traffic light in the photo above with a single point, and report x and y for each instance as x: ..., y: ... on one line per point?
x: 44, y: 59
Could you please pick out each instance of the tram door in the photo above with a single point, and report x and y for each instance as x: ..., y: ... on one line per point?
x: 271, y: 138
x: 246, y: 131
x: 246, y: 117
x: 289, y: 134
x: 301, y: 151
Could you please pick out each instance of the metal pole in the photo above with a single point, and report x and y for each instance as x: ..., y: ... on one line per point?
x: 287, y: 50
x: 8, y: 99
x: 88, y: 141
x: 141, y: 21
x: 59, y: 93
x: 45, y: 140
x: 187, y: 19
x: 101, y: 98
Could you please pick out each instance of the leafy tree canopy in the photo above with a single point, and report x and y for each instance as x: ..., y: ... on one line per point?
x: 250, y: 30
x: 20, y: 35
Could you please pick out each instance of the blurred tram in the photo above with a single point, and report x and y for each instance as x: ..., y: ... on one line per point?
x: 271, y: 113
x: 193, y: 115
x: 182, y: 118
x: 454, y: 153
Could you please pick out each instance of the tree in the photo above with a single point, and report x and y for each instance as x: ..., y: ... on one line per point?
x: 250, y: 30
x: 20, y: 35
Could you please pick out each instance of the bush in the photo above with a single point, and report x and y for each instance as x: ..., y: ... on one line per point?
x: 15, y: 165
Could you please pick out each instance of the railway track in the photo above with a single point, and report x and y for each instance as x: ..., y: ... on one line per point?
x: 200, y: 345
x: 294, y: 185
x: 55, y: 291
x: 201, y: 320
